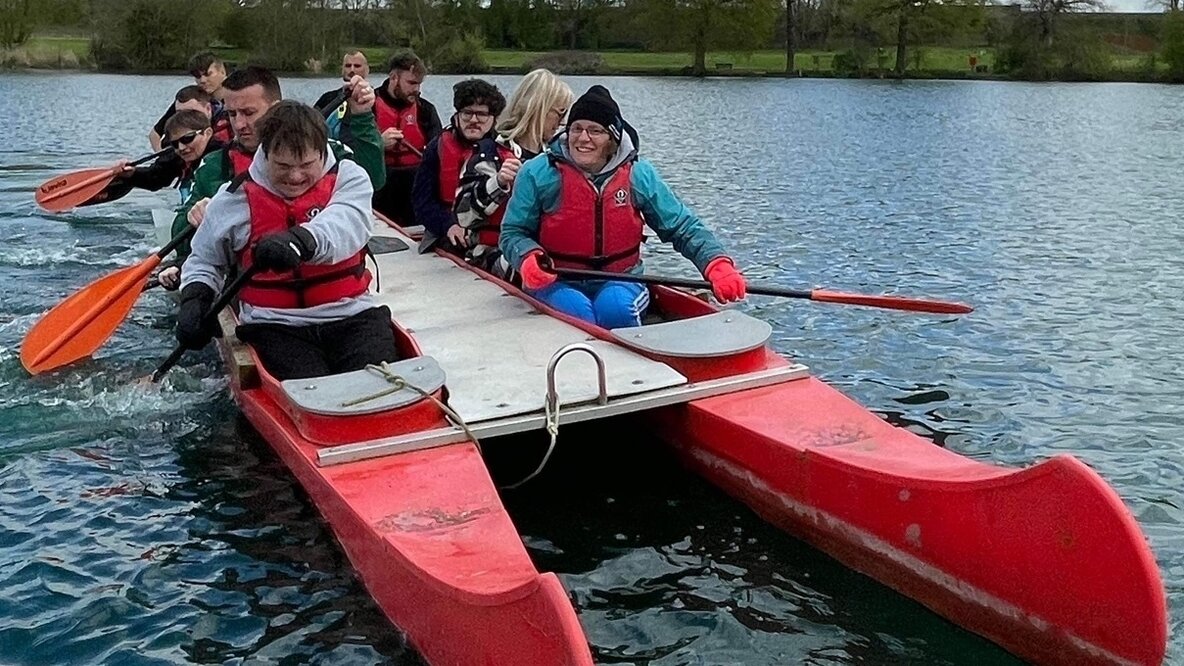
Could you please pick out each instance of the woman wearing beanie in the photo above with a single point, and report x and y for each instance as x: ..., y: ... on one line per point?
x: 584, y: 205
x: 533, y: 116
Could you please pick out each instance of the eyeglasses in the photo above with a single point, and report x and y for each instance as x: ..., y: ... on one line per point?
x: 592, y: 132
x: 560, y: 112
x: 466, y: 114
x: 183, y: 140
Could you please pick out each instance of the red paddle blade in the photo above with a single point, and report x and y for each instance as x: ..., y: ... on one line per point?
x: 891, y: 302
x: 62, y: 193
x: 77, y: 326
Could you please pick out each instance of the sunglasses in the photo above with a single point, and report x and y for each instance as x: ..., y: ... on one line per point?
x: 183, y: 140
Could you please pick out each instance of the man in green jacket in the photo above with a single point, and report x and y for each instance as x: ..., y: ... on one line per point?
x: 250, y: 92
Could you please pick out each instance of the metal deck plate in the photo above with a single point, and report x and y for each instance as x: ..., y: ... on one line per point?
x: 716, y: 334
x: 326, y: 395
x: 494, y: 347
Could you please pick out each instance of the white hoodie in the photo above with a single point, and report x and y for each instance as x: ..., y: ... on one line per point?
x: 341, y: 229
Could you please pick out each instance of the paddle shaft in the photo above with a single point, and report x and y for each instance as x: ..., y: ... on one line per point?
x: 869, y: 300
x: 211, y: 317
x: 685, y: 283
x: 413, y: 149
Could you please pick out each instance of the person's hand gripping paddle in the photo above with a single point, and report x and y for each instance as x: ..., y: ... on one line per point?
x: 62, y: 193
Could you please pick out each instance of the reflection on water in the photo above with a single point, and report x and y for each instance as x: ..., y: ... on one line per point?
x: 144, y: 524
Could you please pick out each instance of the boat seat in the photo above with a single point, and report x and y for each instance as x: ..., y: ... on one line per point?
x: 327, y: 395
x: 717, y: 334
x: 386, y: 245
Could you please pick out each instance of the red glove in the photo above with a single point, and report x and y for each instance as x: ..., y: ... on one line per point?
x: 533, y: 275
x: 726, y: 282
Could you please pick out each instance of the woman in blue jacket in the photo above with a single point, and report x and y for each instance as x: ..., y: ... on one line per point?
x: 584, y: 203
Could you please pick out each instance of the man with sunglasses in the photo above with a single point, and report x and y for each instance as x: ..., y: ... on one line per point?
x: 585, y: 206
x: 189, y: 136
x: 407, y: 122
x: 208, y: 73
x: 478, y: 104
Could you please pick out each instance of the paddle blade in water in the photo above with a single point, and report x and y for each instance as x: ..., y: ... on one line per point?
x: 77, y: 326
x: 73, y: 189
x: 891, y: 302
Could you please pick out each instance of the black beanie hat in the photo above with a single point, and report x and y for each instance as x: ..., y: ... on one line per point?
x: 598, y: 106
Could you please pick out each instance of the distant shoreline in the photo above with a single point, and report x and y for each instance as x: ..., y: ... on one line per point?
x: 55, y: 54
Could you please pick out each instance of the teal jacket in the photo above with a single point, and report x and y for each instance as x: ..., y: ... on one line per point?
x: 536, y: 191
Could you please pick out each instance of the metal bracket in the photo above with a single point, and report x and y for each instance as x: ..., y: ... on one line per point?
x: 601, y: 376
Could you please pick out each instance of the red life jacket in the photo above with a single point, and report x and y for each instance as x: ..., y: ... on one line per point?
x: 454, y: 153
x: 308, y: 284
x: 489, y: 231
x: 594, y: 229
x: 407, y: 121
x: 220, y: 123
x: 235, y: 162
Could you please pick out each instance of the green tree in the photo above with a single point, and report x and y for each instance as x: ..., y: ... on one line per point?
x: 901, y: 23
x: 287, y: 33
x: 1173, y: 44
x: 702, y: 25
x: 17, y: 19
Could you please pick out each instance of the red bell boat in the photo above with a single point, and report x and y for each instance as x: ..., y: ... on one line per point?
x: 1045, y: 561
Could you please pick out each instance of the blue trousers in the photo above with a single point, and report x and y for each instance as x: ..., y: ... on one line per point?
x: 606, y: 303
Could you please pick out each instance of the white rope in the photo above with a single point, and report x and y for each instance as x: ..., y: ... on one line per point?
x: 552, y: 413
x: 398, y: 383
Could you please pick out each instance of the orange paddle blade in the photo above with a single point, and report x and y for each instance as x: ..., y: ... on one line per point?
x: 76, y: 327
x: 62, y: 193
x: 891, y: 302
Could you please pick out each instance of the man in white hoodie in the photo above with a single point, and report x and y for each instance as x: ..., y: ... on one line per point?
x: 301, y: 220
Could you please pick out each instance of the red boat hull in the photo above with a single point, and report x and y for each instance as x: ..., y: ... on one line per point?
x: 1045, y: 561
x: 447, y: 567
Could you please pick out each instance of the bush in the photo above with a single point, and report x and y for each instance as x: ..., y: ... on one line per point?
x: 1074, y: 56
x: 852, y: 62
x: 144, y: 34
x: 462, y: 54
x: 568, y: 62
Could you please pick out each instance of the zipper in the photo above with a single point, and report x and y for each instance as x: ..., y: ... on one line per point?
x: 598, y: 223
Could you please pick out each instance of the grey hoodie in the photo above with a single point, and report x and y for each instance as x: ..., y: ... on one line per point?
x: 341, y: 229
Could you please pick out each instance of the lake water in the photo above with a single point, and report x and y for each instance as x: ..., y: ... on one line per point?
x: 152, y: 525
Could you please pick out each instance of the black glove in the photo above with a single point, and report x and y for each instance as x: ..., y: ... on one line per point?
x: 284, y: 250
x: 192, y: 330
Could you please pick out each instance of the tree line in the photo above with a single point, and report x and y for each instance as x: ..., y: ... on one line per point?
x: 1037, y: 39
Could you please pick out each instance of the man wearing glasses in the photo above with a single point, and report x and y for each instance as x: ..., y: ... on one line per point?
x: 208, y: 72
x: 407, y: 122
x: 478, y: 104
x: 585, y: 205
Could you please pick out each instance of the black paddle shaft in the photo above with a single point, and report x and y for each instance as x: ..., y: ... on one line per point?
x: 674, y: 282
x: 211, y: 318
x: 148, y: 158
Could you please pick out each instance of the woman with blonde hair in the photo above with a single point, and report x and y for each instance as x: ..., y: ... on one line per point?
x: 532, y: 117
